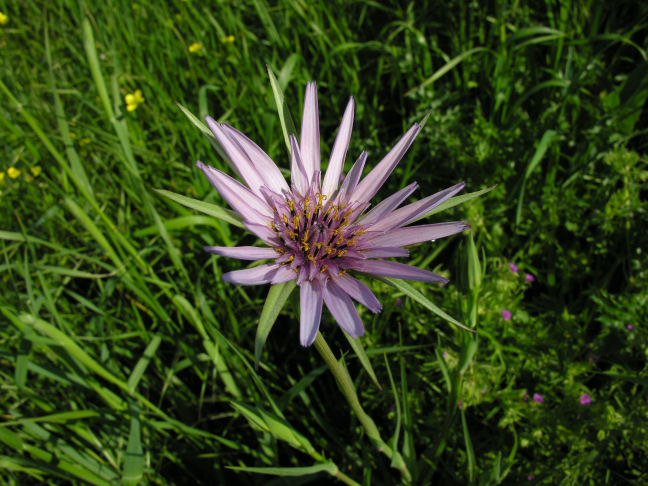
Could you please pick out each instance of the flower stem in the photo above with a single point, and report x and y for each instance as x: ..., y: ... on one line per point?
x: 345, y: 384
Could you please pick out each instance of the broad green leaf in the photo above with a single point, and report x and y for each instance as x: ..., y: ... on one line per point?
x: 411, y: 292
x: 287, y: 125
x: 211, y: 209
x: 277, y: 297
x: 360, y: 352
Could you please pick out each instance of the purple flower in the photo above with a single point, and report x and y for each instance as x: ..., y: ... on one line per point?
x: 318, y: 232
x: 530, y: 477
x: 513, y: 267
x: 506, y: 314
x: 399, y: 303
x: 629, y: 327
x: 538, y: 398
x: 525, y: 397
x: 529, y: 278
x: 585, y: 399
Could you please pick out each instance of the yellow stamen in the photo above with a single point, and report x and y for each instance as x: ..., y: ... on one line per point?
x: 285, y: 219
x: 323, y: 268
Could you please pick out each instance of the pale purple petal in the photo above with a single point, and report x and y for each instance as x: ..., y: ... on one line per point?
x: 385, y: 252
x: 413, y: 211
x: 297, y: 172
x: 388, y: 205
x: 263, y: 232
x: 252, y: 276
x: 237, y: 155
x: 239, y: 197
x: 284, y: 274
x: 243, y: 252
x: 310, y: 295
x: 417, y: 234
x: 269, y: 171
x: 343, y: 310
x: 338, y: 154
x: 359, y: 291
x: 396, y: 270
x: 352, y: 178
x: 310, y: 136
x: 369, y: 186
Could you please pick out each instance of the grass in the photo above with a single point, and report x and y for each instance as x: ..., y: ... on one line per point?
x: 125, y: 358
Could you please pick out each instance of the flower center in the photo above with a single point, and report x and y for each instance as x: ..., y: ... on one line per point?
x: 314, y: 234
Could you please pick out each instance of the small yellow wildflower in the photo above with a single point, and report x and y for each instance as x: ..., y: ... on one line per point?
x: 227, y: 40
x: 13, y: 172
x: 1, y: 176
x: 133, y: 100
x: 4, y: 18
x: 195, y: 47
x: 36, y: 170
x: 29, y: 178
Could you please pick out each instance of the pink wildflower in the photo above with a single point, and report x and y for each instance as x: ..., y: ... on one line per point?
x: 538, y: 398
x: 585, y: 399
x: 513, y: 267
x: 317, y: 230
x: 529, y: 278
x: 629, y: 327
x: 506, y: 314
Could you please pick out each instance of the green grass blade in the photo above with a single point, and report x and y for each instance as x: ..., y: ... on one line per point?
x: 277, y: 297
x: 470, y: 452
x: 211, y: 209
x: 143, y: 362
x: 134, y: 460
x: 287, y: 125
x: 328, y: 467
x: 360, y: 352
x: 417, y: 296
x: 541, y: 149
x: 446, y: 68
x: 455, y: 201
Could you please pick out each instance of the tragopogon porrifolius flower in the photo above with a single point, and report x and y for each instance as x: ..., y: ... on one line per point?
x: 320, y: 232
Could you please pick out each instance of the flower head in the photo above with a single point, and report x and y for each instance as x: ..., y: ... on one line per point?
x: 513, y: 267
x: 506, y: 314
x: 538, y: 398
x: 319, y: 232
x: 13, y: 172
x: 195, y: 47
x: 529, y: 278
x: 585, y: 399
x: 4, y: 18
x: 133, y: 100
x: 228, y: 39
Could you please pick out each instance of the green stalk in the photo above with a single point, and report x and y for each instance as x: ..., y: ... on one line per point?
x: 345, y: 384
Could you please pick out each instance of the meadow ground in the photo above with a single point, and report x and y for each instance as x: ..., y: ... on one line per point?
x: 125, y: 358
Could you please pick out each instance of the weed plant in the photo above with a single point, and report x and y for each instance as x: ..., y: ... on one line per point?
x: 125, y: 358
